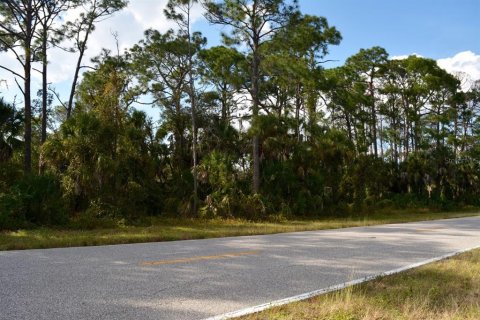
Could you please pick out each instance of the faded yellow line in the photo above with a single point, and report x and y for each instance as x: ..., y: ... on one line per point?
x: 200, y: 258
x: 432, y: 229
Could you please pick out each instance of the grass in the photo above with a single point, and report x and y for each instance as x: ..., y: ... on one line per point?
x: 183, y: 229
x: 449, y: 289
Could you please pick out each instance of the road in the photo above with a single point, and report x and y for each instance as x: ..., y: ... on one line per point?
x: 200, y: 278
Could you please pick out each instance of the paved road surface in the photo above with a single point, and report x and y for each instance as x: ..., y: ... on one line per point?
x: 201, y: 278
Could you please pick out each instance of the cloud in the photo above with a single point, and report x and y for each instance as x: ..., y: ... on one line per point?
x: 150, y: 15
x: 463, y: 62
x: 403, y: 57
x: 129, y: 24
x: 464, y: 65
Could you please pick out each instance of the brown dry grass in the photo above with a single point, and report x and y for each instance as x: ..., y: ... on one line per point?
x: 444, y: 290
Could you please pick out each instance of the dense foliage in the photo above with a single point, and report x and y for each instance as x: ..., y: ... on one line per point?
x: 257, y: 132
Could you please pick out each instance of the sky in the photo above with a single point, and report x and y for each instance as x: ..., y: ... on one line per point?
x: 431, y: 28
x: 445, y: 30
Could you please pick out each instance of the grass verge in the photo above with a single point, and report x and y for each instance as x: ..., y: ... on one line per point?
x: 448, y: 289
x: 175, y: 229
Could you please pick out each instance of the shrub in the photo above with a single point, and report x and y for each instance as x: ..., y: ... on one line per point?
x: 89, y: 220
x: 253, y: 207
x: 33, y: 199
x: 11, y: 214
x: 384, y: 204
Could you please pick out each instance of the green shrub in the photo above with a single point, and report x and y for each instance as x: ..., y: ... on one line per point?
x: 384, y: 204
x: 89, y: 220
x: 12, y: 215
x: 253, y: 207
x: 10, y: 172
x: 38, y: 200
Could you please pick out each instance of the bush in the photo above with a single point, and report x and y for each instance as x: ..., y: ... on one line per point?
x: 408, y: 201
x: 250, y: 207
x: 11, y: 214
x: 33, y: 200
x: 89, y: 220
x: 385, y: 204
x: 253, y: 207
x: 9, y: 173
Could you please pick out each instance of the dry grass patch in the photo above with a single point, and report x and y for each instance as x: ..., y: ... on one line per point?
x: 449, y: 289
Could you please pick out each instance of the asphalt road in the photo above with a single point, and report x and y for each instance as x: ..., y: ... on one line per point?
x: 201, y: 278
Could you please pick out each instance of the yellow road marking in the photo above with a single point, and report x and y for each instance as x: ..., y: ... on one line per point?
x: 200, y: 258
x: 432, y: 229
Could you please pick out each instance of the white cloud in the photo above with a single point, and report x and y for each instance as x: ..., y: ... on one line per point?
x: 464, y: 62
x: 8, y: 86
x: 403, y: 57
x: 464, y: 65
x: 129, y: 24
x: 150, y: 15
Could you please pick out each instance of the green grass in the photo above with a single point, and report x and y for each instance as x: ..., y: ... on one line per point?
x: 449, y: 289
x: 183, y: 229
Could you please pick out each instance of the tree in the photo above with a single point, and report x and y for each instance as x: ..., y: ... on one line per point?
x: 368, y: 63
x: 222, y: 69
x: 342, y: 103
x: 253, y: 23
x: 162, y: 65
x: 49, y: 11
x: 19, y: 20
x: 295, y: 67
x: 181, y: 12
x: 105, y: 152
x: 10, y: 130
x: 469, y: 117
x: 81, y: 29
x: 412, y: 85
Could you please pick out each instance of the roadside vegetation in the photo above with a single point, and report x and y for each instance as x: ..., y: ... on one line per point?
x: 256, y: 132
x: 92, y: 233
x: 446, y: 290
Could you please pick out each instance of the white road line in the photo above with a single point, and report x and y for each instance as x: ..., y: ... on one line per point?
x: 308, y: 295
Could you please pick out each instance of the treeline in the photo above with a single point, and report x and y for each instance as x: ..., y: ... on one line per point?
x: 256, y: 128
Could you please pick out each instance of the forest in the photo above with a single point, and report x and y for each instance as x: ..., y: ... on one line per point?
x: 256, y: 128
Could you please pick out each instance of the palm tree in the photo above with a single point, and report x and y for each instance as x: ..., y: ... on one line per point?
x: 11, y: 126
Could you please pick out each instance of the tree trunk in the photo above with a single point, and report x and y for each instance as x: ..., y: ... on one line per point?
x: 28, y: 114
x: 43, y: 136
x: 194, y: 116
x: 81, y: 50
x: 381, y: 136
x: 27, y: 89
x: 255, y: 112
x: 298, y: 102
x: 374, y: 116
x: 44, y: 88
x: 349, y: 127
x: 74, y: 85
x: 225, y: 111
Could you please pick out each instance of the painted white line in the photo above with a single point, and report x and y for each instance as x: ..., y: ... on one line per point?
x: 308, y: 295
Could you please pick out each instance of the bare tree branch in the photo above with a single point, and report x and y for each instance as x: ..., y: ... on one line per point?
x: 13, y: 72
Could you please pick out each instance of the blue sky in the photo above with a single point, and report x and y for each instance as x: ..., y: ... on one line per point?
x: 445, y: 30
x: 431, y: 28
